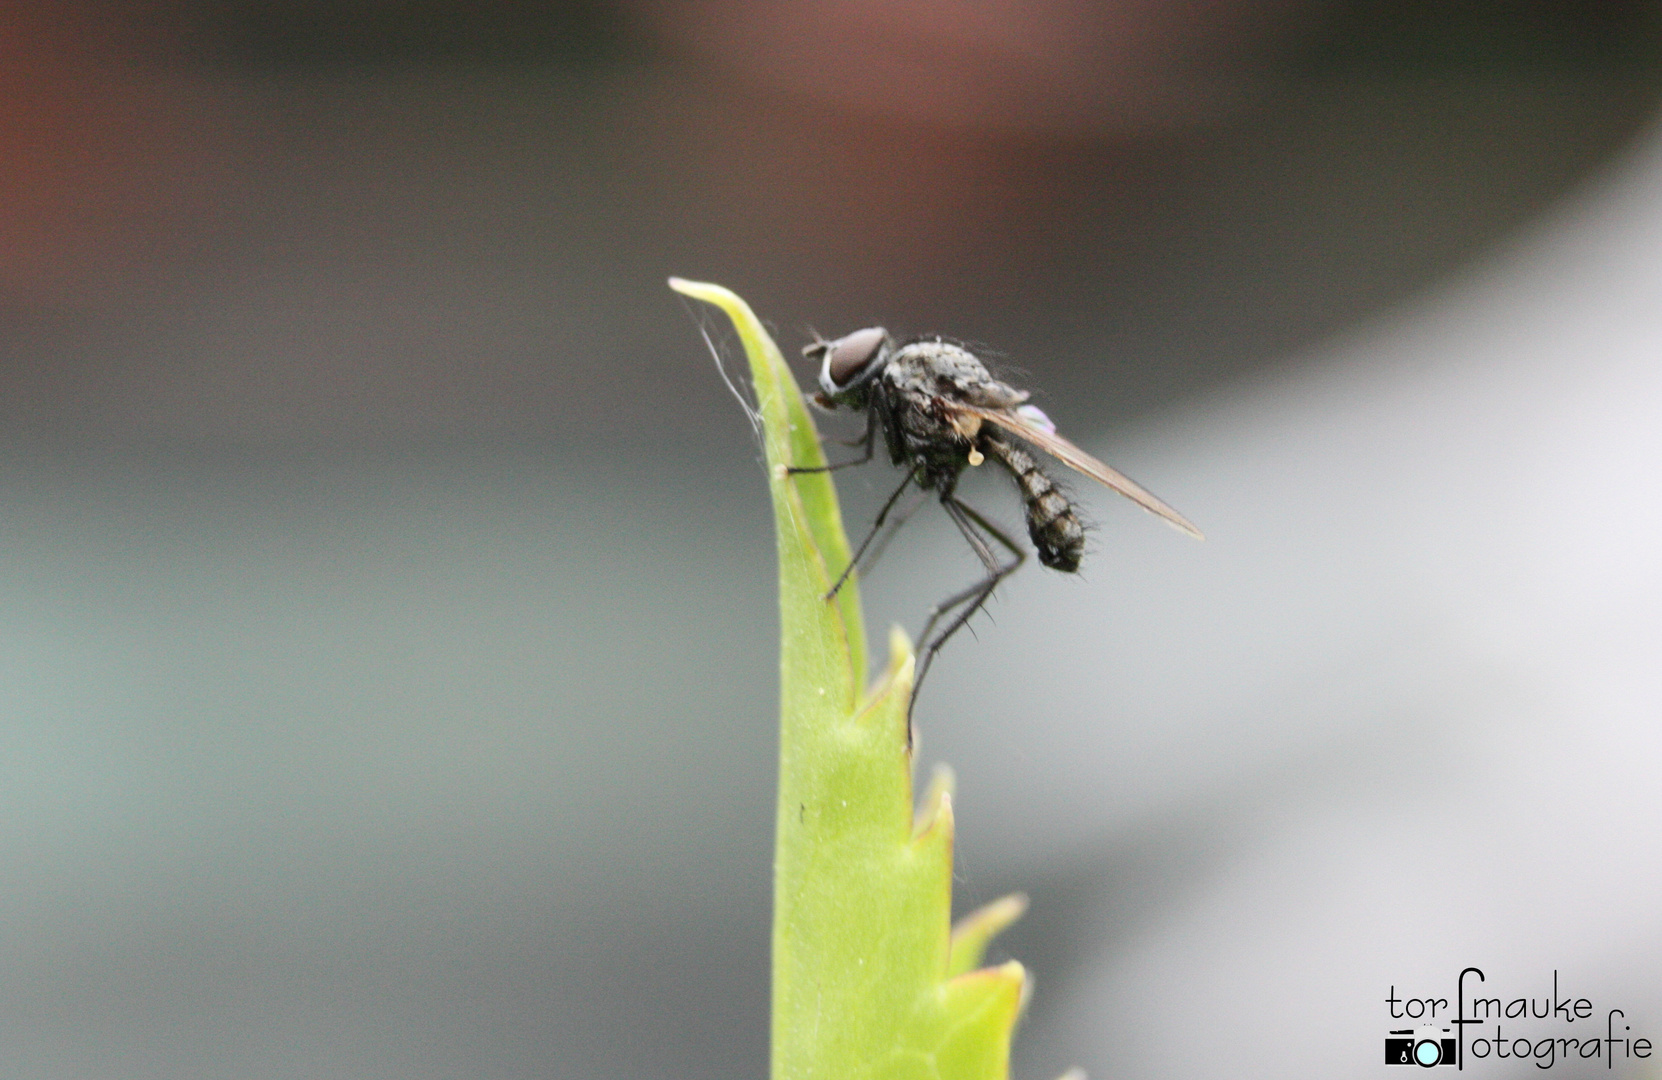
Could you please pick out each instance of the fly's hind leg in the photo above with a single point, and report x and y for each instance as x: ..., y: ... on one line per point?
x: 970, y: 600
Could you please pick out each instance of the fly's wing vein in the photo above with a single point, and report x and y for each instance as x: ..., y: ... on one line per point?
x: 1074, y: 458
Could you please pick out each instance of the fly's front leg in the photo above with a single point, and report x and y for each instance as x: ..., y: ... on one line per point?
x: 970, y: 600
x: 865, y: 437
x: 900, y: 518
x: 876, y: 527
x: 868, y: 442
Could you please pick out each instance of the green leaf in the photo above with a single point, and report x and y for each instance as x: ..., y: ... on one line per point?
x: 868, y: 981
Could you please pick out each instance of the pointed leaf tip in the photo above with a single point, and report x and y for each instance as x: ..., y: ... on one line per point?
x: 901, y: 657
x: 942, y: 781
x: 934, y: 814
x: 718, y: 295
x: 975, y: 931
x: 896, y: 679
x: 888, y: 699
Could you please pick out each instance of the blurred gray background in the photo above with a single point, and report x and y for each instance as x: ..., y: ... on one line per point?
x: 386, y: 642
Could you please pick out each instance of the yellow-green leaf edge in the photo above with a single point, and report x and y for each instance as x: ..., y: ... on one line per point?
x: 868, y: 979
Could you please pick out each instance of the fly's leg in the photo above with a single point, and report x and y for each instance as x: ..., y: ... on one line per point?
x: 970, y: 600
x: 876, y: 527
x: 900, y: 518
x: 867, y: 441
x: 865, y: 437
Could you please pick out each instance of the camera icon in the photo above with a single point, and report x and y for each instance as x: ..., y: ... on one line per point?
x: 1424, y: 1047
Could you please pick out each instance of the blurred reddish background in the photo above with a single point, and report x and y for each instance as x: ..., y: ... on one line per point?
x: 297, y: 222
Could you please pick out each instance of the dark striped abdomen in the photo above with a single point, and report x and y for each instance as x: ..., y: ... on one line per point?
x: 1051, y: 522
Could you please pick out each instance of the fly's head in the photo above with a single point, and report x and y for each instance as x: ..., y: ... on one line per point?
x: 848, y: 365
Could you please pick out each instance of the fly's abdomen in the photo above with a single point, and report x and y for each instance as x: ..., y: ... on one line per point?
x: 1051, y: 522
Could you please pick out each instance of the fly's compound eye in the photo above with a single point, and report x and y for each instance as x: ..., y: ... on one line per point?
x: 849, y: 358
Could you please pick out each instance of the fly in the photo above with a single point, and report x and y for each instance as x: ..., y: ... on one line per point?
x: 940, y: 411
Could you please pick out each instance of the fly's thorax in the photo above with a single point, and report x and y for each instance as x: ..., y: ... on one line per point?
x: 936, y: 367
x: 942, y: 369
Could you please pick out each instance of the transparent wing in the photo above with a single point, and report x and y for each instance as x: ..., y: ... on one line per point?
x: 1074, y: 458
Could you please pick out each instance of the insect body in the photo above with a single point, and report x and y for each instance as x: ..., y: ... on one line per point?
x: 940, y: 411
